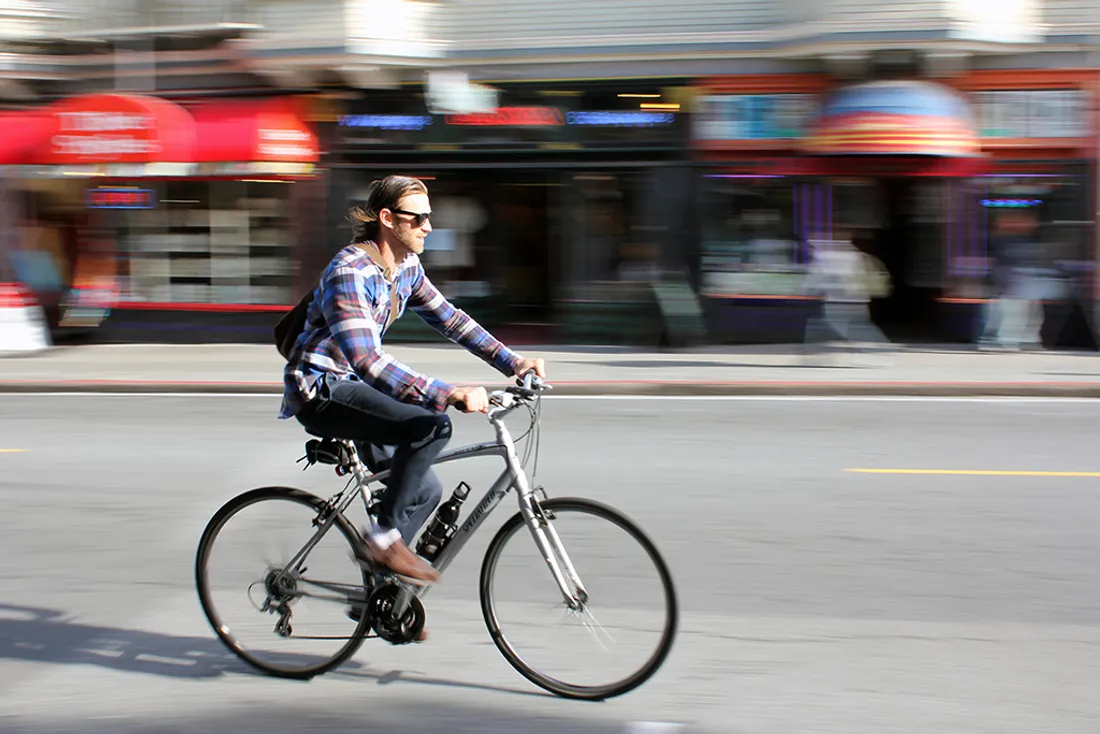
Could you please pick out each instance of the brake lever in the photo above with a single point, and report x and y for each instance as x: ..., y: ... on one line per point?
x: 531, y: 383
x: 529, y: 379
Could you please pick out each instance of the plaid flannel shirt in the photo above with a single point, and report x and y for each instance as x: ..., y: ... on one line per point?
x: 348, y: 317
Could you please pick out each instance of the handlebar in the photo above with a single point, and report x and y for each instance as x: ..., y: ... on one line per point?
x: 526, y: 387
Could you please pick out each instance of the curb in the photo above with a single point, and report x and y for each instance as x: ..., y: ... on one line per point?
x: 626, y: 388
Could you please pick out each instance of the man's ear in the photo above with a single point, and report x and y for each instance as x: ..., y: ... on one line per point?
x: 385, y: 218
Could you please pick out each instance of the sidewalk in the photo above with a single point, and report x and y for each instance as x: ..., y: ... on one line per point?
x: 749, y: 370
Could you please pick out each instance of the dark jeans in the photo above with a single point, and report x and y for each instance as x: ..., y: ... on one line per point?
x: 387, y: 432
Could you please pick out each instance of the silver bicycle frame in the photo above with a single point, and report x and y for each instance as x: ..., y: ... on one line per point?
x: 513, y: 475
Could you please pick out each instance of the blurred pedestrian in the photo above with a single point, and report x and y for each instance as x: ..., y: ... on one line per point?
x: 1014, y: 312
x: 846, y: 279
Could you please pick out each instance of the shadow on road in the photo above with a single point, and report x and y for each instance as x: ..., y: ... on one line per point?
x: 47, y: 636
x: 405, y: 676
x: 701, y: 364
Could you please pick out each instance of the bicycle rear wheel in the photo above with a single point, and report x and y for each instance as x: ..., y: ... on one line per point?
x: 630, y: 612
x: 241, y: 567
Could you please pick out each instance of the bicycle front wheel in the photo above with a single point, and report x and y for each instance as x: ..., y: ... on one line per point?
x: 614, y: 640
x: 288, y: 621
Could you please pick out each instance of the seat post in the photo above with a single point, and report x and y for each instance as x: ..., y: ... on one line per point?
x: 370, y: 499
x: 353, y: 452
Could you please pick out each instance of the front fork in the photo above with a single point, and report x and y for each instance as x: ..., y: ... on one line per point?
x: 541, y: 525
x: 542, y: 530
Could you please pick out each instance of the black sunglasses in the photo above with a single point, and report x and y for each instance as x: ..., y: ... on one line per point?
x: 418, y: 217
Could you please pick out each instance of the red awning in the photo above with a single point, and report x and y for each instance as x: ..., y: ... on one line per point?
x: 117, y: 128
x: 21, y: 134
x: 260, y: 131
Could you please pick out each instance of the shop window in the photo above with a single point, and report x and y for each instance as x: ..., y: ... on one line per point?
x: 210, y: 242
x: 755, y: 232
x: 988, y: 209
x: 612, y: 231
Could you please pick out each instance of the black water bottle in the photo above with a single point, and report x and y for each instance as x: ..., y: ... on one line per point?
x: 443, y: 525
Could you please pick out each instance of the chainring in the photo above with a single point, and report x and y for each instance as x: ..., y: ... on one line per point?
x: 395, y: 631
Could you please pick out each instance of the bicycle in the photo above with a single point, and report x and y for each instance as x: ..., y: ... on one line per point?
x: 382, y: 605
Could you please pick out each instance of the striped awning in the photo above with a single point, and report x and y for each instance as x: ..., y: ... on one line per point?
x: 895, y: 118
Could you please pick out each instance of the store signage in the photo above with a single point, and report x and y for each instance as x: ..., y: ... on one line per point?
x: 551, y: 127
x: 280, y: 143
x: 451, y: 92
x: 104, y: 134
x: 387, y: 122
x: 511, y: 117
x: 514, y: 116
x: 620, y: 118
x: 121, y: 198
x: 1041, y: 113
x: 754, y: 116
x: 108, y: 129
x: 1011, y: 203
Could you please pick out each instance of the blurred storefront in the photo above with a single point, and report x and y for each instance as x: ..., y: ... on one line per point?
x: 890, y: 151
x: 1039, y: 131
x: 553, y: 214
x: 178, y: 208
x: 914, y: 171
x: 756, y: 211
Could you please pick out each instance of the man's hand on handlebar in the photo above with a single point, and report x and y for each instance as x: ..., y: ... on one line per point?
x: 469, y: 399
x: 476, y: 399
x: 526, y: 364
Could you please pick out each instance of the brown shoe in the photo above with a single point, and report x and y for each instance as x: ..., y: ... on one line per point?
x: 404, y: 563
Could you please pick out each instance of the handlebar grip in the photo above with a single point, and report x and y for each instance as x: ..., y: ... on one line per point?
x: 461, y: 406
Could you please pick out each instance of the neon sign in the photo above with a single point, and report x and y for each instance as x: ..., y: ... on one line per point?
x: 1011, y: 203
x: 106, y: 198
x: 510, y: 117
x: 620, y: 118
x: 387, y: 122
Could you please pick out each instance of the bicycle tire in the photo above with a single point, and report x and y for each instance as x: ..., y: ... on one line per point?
x: 558, y: 687
x: 214, y: 526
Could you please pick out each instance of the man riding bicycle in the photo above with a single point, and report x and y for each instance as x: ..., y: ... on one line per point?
x: 340, y: 383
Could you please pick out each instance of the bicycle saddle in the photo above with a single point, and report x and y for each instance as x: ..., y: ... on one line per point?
x: 326, y: 451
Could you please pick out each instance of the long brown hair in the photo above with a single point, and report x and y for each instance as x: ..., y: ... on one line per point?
x: 385, y: 193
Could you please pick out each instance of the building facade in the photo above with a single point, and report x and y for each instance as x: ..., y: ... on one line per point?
x: 628, y: 143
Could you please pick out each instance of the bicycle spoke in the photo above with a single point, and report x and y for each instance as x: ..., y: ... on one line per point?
x: 581, y: 653
x: 305, y: 626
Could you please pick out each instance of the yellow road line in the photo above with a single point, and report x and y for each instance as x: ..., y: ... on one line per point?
x: 13, y: 451
x: 980, y: 472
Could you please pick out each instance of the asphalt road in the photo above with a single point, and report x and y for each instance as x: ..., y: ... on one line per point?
x: 814, y: 598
